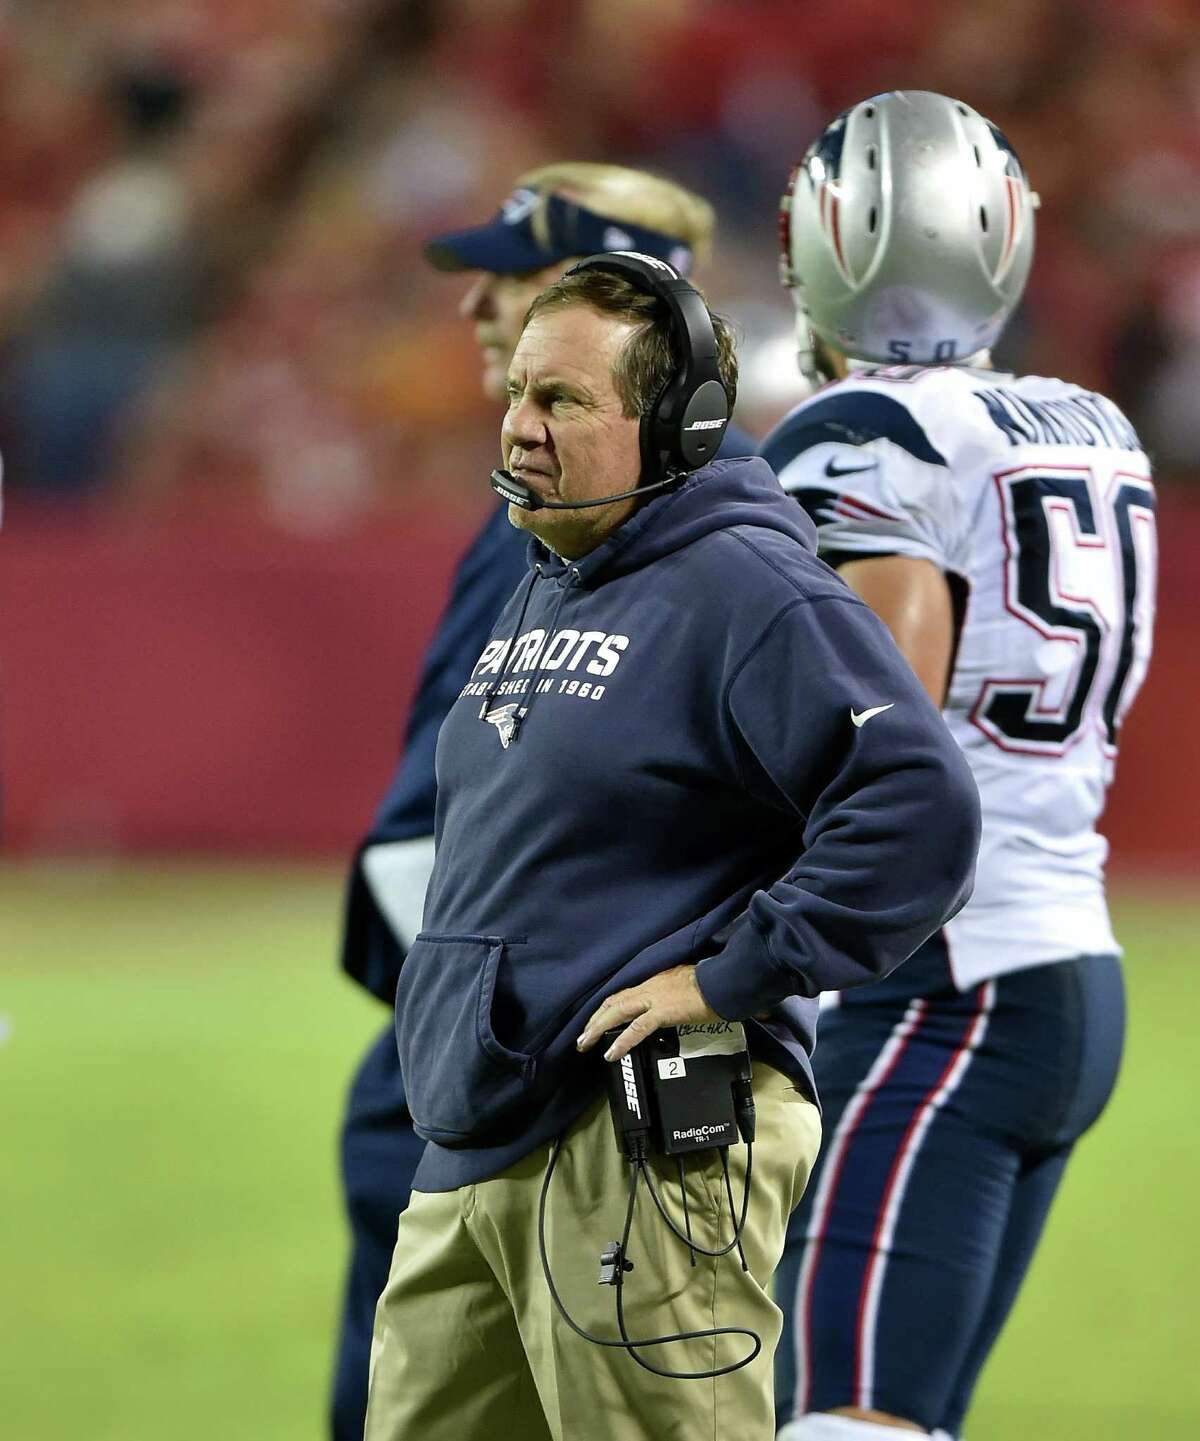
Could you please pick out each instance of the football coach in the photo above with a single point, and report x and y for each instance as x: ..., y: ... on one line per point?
x: 691, y: 780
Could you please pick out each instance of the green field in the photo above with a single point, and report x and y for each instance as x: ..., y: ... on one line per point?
x: 174, y: 1047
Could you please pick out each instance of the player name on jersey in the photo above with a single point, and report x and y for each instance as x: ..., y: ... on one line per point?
x: 1081, y: 419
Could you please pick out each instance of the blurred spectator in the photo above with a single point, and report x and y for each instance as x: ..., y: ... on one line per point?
x: 227, y: 284
x: 121, y: 291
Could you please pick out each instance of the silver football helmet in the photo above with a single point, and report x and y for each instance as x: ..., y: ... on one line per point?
x: 907, y: 231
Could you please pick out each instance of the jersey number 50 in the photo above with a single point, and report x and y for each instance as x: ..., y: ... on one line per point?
x: 1079, y: 568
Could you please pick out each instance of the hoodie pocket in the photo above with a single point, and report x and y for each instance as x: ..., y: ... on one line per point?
x: 464, y: 1087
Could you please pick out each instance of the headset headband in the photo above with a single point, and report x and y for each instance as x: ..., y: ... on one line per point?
x: 684, y: 427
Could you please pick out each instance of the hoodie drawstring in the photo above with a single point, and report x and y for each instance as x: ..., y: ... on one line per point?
x: 489, y: 695
x: 523, y: 714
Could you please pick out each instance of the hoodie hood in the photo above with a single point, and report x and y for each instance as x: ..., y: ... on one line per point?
x: 739, y: 492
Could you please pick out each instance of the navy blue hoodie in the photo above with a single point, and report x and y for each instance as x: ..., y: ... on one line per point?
x: 662, y: 757
x: 495, y: 562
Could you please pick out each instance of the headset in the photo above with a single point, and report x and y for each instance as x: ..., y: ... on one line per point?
x: 684, y: 427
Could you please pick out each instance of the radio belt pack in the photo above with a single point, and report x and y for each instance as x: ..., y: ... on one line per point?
x: 681, y: 1090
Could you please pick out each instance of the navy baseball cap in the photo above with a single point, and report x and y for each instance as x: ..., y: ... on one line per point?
x: 507, y: 245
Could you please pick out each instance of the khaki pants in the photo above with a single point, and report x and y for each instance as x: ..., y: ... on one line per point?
x: 468, y: 1344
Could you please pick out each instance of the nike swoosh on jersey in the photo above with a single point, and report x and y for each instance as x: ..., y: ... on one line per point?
x: 833, y: 469
x: 860, y: 718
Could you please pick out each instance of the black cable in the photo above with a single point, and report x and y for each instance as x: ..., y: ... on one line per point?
x: 687, y: 1220
x: 626, y: 1343
x: 737, y: 1235
x: 736, y: 1239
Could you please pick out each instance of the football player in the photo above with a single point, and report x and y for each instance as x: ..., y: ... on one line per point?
x: 1003, y: 528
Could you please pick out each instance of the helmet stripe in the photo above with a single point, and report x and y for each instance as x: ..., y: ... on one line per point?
x: 835, y: 209
x: 1010, y: 190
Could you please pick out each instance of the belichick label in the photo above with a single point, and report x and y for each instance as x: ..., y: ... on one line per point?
x: 711, y: 1038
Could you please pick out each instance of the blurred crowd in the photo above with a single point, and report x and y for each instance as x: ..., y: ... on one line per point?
x: 211, y: 215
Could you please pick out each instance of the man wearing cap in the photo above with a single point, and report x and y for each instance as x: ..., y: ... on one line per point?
x: 554, y: 215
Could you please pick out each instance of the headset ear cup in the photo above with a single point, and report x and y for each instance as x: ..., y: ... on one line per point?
x: 689, y: 421
x: 648, y: 443
x: 684, y: 427
x: 701, y: 427
x: 664, y: 425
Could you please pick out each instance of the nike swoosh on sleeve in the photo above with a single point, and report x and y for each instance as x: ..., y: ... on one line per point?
x: 833, y: 469
x: 860, y: 718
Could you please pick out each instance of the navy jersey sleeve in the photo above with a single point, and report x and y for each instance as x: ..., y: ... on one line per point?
x: 487, y: 575
x: 837, y: 731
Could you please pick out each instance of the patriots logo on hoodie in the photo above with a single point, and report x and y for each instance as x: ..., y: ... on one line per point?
x: 505, y: 718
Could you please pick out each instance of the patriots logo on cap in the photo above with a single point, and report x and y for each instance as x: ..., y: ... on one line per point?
x: 505, y: 718
x: 518, y: 205
x: 617, y: 239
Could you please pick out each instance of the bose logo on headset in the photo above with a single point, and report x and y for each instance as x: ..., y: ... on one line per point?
x: 704, y: 425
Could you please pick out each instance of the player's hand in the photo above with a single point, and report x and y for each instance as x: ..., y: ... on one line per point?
x: 672, y: 998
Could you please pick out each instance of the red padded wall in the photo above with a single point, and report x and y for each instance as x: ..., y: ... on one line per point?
x: 196, y: 689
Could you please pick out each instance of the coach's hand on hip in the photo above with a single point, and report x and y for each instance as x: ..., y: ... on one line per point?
x: 672, y: 998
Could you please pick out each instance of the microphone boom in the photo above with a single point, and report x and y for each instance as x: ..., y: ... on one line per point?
x: 506, y: 485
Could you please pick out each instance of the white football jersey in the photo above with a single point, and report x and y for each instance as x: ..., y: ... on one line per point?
x: 1035, y: 498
